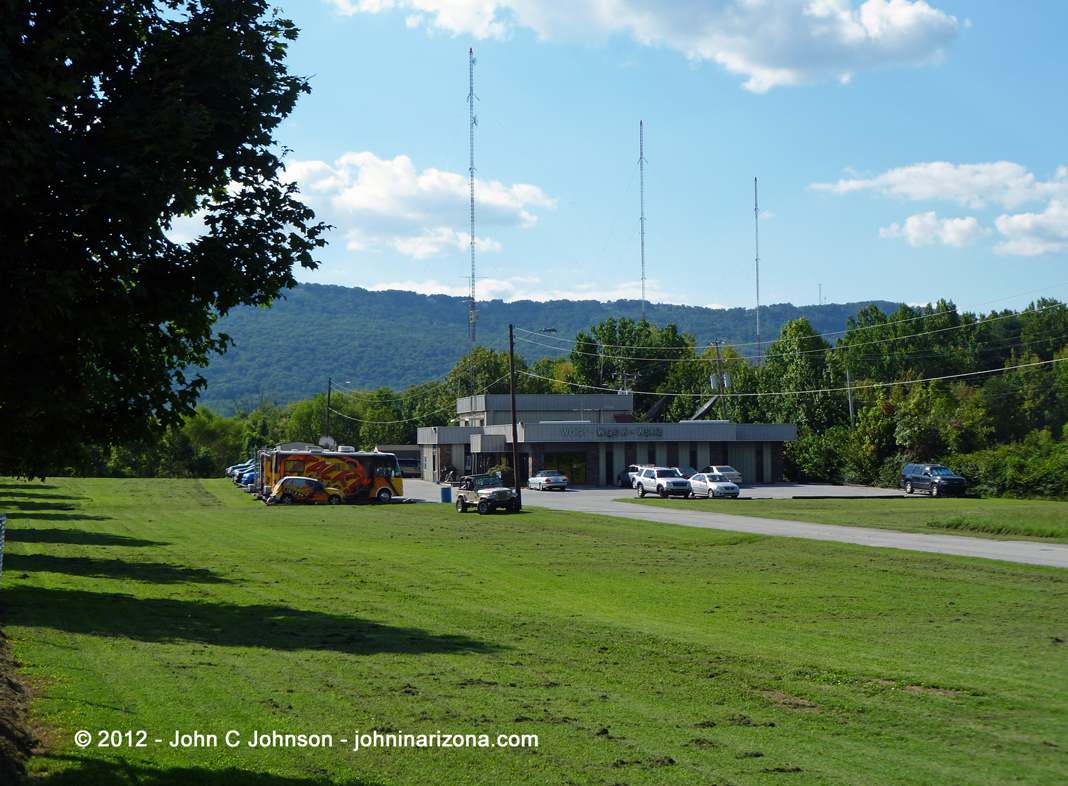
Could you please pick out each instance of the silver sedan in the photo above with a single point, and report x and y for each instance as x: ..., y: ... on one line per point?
x: 548, y: 479
x: 713, y: 485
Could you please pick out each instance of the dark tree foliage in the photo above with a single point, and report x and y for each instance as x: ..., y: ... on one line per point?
x: 118, y: 116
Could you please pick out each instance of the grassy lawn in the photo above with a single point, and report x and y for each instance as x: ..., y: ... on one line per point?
x: 638, y: 653
x: 1006, y: 519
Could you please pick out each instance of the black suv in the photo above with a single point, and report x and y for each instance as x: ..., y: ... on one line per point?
x: 935, y: 478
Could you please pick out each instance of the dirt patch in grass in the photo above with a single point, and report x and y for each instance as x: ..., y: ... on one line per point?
x: 789, y: 701
x: 16, y: 737
x: 913, y: 688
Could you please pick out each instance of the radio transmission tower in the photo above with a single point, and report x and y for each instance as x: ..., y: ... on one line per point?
x: 474, y: 122
x: 756, y: 224
x: 641, y: 167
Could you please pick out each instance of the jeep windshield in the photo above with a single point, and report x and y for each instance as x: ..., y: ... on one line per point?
x: 486, y: 481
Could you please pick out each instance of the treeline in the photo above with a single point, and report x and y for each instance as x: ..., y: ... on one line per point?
x: 395, y: 339
x: 986, y: 395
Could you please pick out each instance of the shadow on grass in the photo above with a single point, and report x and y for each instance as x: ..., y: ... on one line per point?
x: 223, y: 624
x: 155, y: 572
x: 55, y: 517
x: 87, y: 772
x: 18, y: 504
x: 76, y: 537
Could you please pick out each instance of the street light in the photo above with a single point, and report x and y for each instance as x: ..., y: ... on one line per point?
x: 515, y: 429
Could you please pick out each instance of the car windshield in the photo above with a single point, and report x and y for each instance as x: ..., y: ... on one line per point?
x: 942, y: 471
x: 550, y: 473
x: 668, y: 473
x: 717, y: 479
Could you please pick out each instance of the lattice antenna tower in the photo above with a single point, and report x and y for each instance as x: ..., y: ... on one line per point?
x: 474, y: 122
x: 641, y: 168
x: 756, y: 224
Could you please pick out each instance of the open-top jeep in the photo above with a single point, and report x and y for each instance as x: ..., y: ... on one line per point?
x: 486, y: 494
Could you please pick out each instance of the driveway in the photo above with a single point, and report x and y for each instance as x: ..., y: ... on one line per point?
x: 601, y: 501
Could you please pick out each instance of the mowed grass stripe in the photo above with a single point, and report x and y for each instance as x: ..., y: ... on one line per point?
x: 639, y: 653
x: 1001, y: 519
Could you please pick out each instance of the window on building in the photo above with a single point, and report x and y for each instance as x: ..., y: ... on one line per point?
x: 571, y: 464
x: 651, y: 453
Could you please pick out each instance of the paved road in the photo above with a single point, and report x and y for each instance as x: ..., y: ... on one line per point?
x: 603, y: 501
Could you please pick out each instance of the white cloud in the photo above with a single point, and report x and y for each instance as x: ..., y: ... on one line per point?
x: 1031, y: 234
x: 923, y: 229
x: 772, y: 42
x: 526, y: 288
x: 972, y: 185
x: 376, y: 203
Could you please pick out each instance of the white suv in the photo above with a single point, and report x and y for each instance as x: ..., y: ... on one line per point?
x: 664, y: 481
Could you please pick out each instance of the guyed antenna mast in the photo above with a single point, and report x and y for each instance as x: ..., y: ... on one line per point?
x: 756, y: 224
x: 641, y: 167
x: 474, y: 122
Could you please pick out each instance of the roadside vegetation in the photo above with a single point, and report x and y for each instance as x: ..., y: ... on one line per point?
x: 985, y: 395
x: 638, y: 653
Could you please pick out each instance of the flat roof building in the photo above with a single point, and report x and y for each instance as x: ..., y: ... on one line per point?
x: 593, y: 438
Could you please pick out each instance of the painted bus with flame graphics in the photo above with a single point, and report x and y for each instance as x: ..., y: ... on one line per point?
x: 362, y: 477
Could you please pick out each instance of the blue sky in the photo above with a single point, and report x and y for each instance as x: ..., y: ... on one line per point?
x: 905, y: 151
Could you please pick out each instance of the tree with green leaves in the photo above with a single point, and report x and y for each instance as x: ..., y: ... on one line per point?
x: 120, y: 116
x: 621, y: 354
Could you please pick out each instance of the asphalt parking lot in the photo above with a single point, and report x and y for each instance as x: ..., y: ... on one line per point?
x: 606, y: 502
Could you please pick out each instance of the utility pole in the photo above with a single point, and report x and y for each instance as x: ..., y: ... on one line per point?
x: 719, y: 384
x: 515, y: 427
x: 329, y: 385
x: 849, y: 389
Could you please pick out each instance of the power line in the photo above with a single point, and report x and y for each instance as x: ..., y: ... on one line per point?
x: 804, y: 392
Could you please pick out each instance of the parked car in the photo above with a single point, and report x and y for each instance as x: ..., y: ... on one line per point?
x: 548, y: 479
x: 485, y: 493
x: 625, y: 479
x: 290, y: 490
x: 933, y: 478
x: 686, y: 472
x: 664, y: 481
x: 243, y: 466
x: 711, y: 484
x: 410, y: 467
x: 730, y: 473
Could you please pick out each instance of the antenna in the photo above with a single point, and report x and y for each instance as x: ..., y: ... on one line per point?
x: 756, y: 224
x: 474, y: 122
x: 641, y: 166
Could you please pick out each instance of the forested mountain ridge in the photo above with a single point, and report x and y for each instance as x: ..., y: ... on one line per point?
x: 394, y: 339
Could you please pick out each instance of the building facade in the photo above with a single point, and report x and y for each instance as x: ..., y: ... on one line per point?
x: 592, y: 438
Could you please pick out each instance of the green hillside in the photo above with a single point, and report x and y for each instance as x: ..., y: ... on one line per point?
x: 395, y: 339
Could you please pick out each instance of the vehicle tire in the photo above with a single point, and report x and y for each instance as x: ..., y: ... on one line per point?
x: 287, y: 499
x: 335, y: 500
x: 513, y: 506
x: 619, y: 481
x: 908, y: 486
x: 662, y: 492
x: 934, y: 490
x: 641, y: 490
x: 711, y: 494
x: 461, y: 505
x: 384, y: 496
x: 484, y: 508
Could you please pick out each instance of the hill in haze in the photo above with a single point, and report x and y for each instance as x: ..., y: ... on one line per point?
x: 394, y: 339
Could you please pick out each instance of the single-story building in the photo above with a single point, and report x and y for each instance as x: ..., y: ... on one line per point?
x: 591, y: 438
